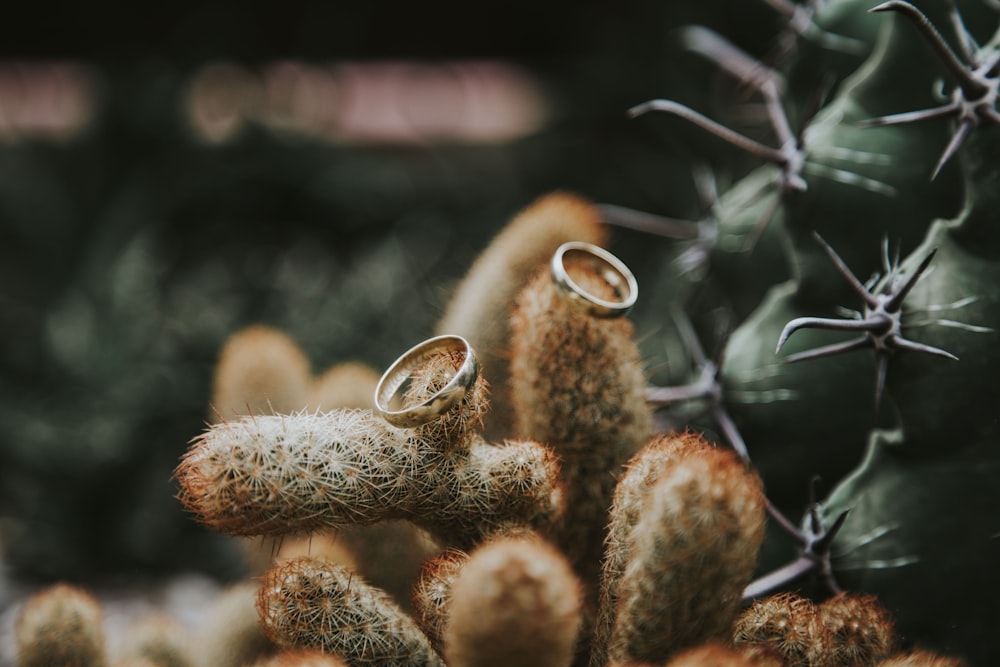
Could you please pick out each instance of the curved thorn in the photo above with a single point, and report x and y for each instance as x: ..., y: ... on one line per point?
x: 910, y: 116
x: 717, y: 129
x: 732, y: 434
x: 785, y: 523
x: 834, y: 41
x: 822, y: 545
x: 903, y: 344
x: 967, y: 46
x: 895, y: 302
x: 779, y: 577
x: 859, y: 288
x: 826, y: 323
x: 661, y: 396
x: 650, y: 223
x: 969, y: 84
x: 964, y: 129
x: 776, y: 112
x: 713, y: 46
x: 688, y: 336
x: 828, y: 350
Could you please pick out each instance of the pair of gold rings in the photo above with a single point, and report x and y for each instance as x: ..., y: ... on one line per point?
x: 389, y: 388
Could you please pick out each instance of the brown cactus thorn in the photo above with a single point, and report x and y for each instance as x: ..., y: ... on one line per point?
x: 307, y: 603
x: 976, y: 71
x: 880, y: 321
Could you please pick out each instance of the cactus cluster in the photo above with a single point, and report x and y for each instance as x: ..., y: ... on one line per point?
x: 569, y: 510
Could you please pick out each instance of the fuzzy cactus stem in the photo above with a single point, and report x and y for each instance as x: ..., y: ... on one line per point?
x: 976, y: 72
x: 880, y: 322
x: 815, y: 541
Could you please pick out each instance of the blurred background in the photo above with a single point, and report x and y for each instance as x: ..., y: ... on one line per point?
x: 173, y: 174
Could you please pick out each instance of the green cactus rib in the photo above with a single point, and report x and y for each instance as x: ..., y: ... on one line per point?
x: 880, y: 321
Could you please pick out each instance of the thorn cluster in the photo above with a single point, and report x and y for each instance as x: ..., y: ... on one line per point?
x: 847, y: 630
x: 308, y: 603
x: 815, y: 542
x: 880, y: 323
x: 975, y: 69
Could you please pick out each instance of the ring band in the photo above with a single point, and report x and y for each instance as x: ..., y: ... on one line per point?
x: 388, y: 388
x: 610, y: 268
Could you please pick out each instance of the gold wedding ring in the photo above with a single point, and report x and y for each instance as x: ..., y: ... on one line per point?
x: 388, y: 395
x: 607, y: 266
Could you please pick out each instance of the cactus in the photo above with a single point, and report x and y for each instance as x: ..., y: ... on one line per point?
x: 60, y: 625
x: 691, y: 552
x: 309, y: 603
x: 515, y: 601
x: 663, y: 530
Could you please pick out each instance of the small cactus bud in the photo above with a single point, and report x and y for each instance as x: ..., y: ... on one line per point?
x: 433, y: 592
x: 307, y: 603
x: 60, y: 625
x: 853, y: 630
x: 260, y: 371
x: 229, y: 634
x: 785, y: 621
x: 693, y: 551
x: 516, y: 601
x: 346, y: 385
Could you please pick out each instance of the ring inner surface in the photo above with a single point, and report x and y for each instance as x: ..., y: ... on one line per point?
x: 391, y: 396
x: 582, y: 260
